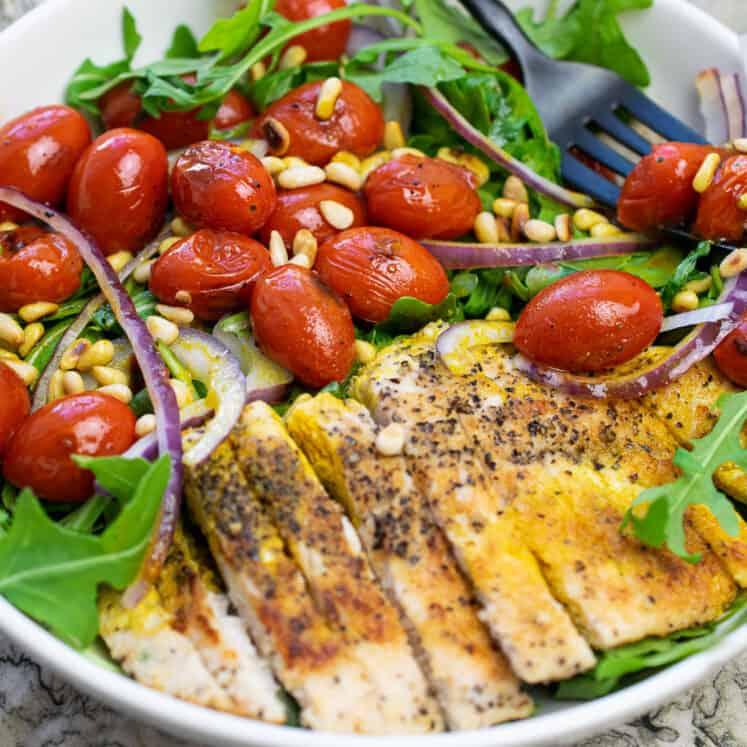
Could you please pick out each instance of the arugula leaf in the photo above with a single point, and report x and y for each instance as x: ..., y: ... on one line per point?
x: 271, y: 87
x: 183, y: 44
x: 685, y: 271
x: 410, y: 314
x: 131, y: 38
x: 233, y: 36
x: 589, y: 32
x: 52, y: 573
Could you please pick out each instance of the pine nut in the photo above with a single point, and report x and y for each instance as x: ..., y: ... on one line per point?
x: 304, y: 242
x: 740, y: 144
x: 56, y: 388
x: 514, y: 189
x: 175, y: 314
x: 735, y: 263
x: 145, y: 424
x: 167, y: 244
x: 31, y: 335
x: 273, y: 165
x: 34, y: 311
x: 294, y: 56
x: 604, y: 231
x: 343, y: 174
x: 704, y: 178
x: 25, y: 371
x: 699, y: 286
x: 181, y: 229
x: 162, y: 330
x: 119, y: 260
x: 119, y: 391
x: 563, y: 227
x: 277, y: 136
x: 183, y: 297
x: 8, y: 226
x: 290, y: 162
x: 742, y: 202
x: 399, y: 152
x: 11, y: 332
x: 257, y: 147
x: 365, y: 352
x: 258, y: 71
x: 106, y: 376
x: 329, y: 92
x: 346, y: 157
x: 373, y: 162
x: 539, y: 231
x: 72, y: 383
x: 71, y: 356
x: 504, y: 229
x: 301, y: 260
x: 447, y: 154
x: 182, y: 393
x: 390, y: 441
x: 7, y: 355
x: 477, y: 166
x: 301, y: 176
x: 485, y: 228
x: 101, y: 353
x: 685, y: 301
x: 585, y: 219
x: 142, y: 272
x: 338, y: 216
x: 393, y: 135
x: 278, y: 252
x: 498, y: 314
x: 519, y: 220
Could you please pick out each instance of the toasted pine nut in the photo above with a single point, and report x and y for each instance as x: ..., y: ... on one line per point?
x: 182, y: 392
x: 485, y: 228
x: 504, y: 229
x: 685, y: 301
x: 101, y: 353
x: 346, y: 157
x: 585, y: 219
x: 142, y: 272
x: 277, y: 136
x: 390, y: 441
x: 278, y: 252
x: 304, y: 242
x: 477, y: 166
x: 733, y: 264
x: 604, y: 231
x: 740, y: 144
x: 119, y: 391
x: 290, y: 162
x: 742, y: 202
x: 399, y: 152
x: 498, y: 314
x: 8, y: 226
x: 272, y: 165
x: 329, y: 92
x: 34, y: 311
x: 365, y: 352
x: 447, y: 154
x: 301, y: 176
x: 519, y: 220
x: 338, y: 216
x: 71, y: 356
x: 26, y: 372
x: 514, y: 189
x: 258, y: 71
x: 343, y: 174
x: 393, y: 135
x: 119, y: 260
x: 539, y: 231
x: 563, y: 227
x: 181, y: 229
x: 699, y: 286
x: 162, y: 329
x: 257, y: 147
x: 31, y: 335
x: 706, y: 172
x: 106, y: 375
x: 56, y: 388
x: 11, y: 332
x: 293, y: 57
x: 175, y: 314
x: 302, y: 261
x: 145, y: 424
x: 373, y: 162
x: 183, y: 297
x: 72, y: 383
x: 167, y: 244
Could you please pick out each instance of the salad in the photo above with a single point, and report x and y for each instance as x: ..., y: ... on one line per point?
x: 324, y: 402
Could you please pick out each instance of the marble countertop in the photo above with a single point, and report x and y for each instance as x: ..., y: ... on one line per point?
x: 37, y: 709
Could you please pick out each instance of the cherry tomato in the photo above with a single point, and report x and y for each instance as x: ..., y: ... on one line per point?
x: 14, y: 405
x: 659, y: 191
x: 589, y: 321
x: 373, y: 267
x: 326, y: 42
x: 731, y: 354
x: 217, y: 269
x: 38, y: 455
x: 38, y: 152
x: 221, y: 186
x: 299, y: 208
x: 119, y: 190
x: 356, y: 125
x: 36, y: 266
x: 719, y: 216
x: 303, y: 325
x: 423, y: 197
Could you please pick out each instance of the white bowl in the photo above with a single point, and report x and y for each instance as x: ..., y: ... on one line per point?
x: 42, y: 50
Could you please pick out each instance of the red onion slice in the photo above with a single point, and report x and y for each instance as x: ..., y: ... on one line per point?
x: 455, y: 255
x: 722, y: 105
x: 714, y: 313
x: 154, y: 371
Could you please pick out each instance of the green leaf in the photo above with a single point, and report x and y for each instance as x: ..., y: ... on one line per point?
x: 131, y: 39
x: 183, y: 44
x: 410, y: 314
x: 118, y: 476
x: 52, y: 573
x: 234, y: 35
x: 270, y: 88
x: 683, y: 273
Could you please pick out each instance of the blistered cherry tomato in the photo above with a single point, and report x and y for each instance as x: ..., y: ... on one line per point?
x: 589, y: 321
x: 373, y: 267
x: 38, y: 152
x: 38, y: 455
x: 303, y: 325
x: 356, y: 125
x: 423, y: 197
x: 326, y: 42
x: 719, y: 216
x: 299, y: 208
x: 731, y: 354
x: 221, y: 186
x: 216, y: 269
x: 14, y: 405
x: 119, y: 190
x: 36, y: 266
x: 659, y: 190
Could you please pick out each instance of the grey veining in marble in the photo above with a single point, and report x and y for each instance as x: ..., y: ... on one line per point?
x: 37, y: 709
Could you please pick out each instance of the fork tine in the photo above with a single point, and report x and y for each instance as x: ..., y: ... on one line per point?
x: 609, y: 122
x: 583, y: 178
x: 658, y: 119
x: 591, y: 144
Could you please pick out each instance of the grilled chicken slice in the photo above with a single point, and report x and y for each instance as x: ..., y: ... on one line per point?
x: 473, y: 681
x: 407, y: 384
x: 317, y: 665
x: 328, y: 550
